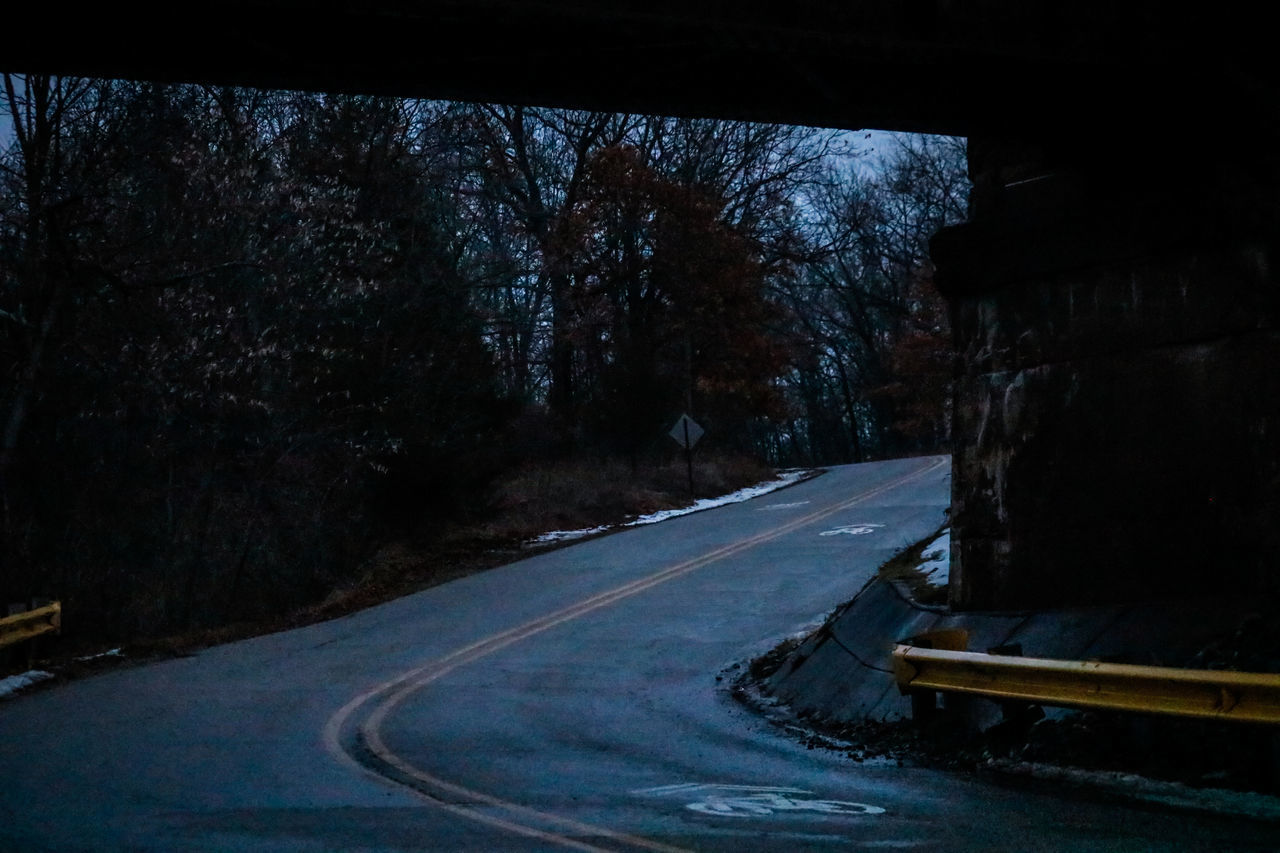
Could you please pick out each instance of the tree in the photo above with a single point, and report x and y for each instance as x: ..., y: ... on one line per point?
x: 46, y: 185
x: 265, y: 333
x: 673, y: 313
x: 248, y: 334
x: 862, y: 301
x: 534, y: 161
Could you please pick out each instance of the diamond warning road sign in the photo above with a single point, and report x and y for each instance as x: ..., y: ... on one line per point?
x: 686, y: 432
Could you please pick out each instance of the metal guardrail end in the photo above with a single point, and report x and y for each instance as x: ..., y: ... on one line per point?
x: 21, y: 626
x: 903, y: 671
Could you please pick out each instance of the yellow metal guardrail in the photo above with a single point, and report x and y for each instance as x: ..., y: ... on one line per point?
x: 938, y: 663
x: 33, y: 623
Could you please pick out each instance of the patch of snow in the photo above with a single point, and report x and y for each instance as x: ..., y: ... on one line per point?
x: 785, y: 479
x: 114, y: 653
x: 804, y: 631
x: 567, y: 535
x: 937, y: 560
x: 14, y: 683
x: 788, y: 478
x: 791, y: 505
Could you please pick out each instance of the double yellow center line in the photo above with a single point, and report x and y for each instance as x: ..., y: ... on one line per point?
x: 520, y: 819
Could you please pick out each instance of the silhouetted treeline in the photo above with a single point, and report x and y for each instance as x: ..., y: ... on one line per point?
x: 244, y: 334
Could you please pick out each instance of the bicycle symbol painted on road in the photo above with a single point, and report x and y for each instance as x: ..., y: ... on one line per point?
x: 852, y: 530
x: 757, y: 801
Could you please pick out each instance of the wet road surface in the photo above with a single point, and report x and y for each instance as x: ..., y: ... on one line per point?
x: 569, y: 701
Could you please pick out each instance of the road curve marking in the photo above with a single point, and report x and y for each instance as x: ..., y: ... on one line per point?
x: 394, y: 691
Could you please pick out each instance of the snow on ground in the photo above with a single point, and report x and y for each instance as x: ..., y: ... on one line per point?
x: 567, y: 535
x: 114, y: 653
x: 14, y: 683
x: 937, y: 560
x: 786, y: 478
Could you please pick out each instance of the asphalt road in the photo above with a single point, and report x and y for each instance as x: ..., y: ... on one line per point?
x: 568, y: 701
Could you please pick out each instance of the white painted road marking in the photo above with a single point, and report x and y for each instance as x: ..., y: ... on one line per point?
x: 756, y: 800
x: 852, y: 530
x: 761, y: 805
x: 381, y: 700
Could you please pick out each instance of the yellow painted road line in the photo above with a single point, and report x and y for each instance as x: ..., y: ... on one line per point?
x: 397, y: 689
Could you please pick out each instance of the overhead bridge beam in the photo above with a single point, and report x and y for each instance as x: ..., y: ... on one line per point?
x: 992, y: 67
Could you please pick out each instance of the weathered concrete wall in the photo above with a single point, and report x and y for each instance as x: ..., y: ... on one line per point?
x: 1117, y: 407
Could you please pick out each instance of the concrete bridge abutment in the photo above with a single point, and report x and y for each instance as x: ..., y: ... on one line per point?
x: 1117, y: 399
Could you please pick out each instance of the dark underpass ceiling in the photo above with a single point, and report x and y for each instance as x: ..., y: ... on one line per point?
x: 989, y: 67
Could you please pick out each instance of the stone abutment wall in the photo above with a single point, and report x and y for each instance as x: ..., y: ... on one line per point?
x: 1117, y: 406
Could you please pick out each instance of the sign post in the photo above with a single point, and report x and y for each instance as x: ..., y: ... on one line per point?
x: 686, y: 433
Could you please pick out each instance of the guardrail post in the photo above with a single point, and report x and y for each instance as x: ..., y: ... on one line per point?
x: 924, y: 702
x: 21, y: 656
x: 924, y: 705
x: 1273, y: 760
x: 1011, y: 710
x: 39, y: 644
x: 1016, y: 717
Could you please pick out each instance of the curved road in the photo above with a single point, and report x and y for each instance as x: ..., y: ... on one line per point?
x: 568, y: 701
